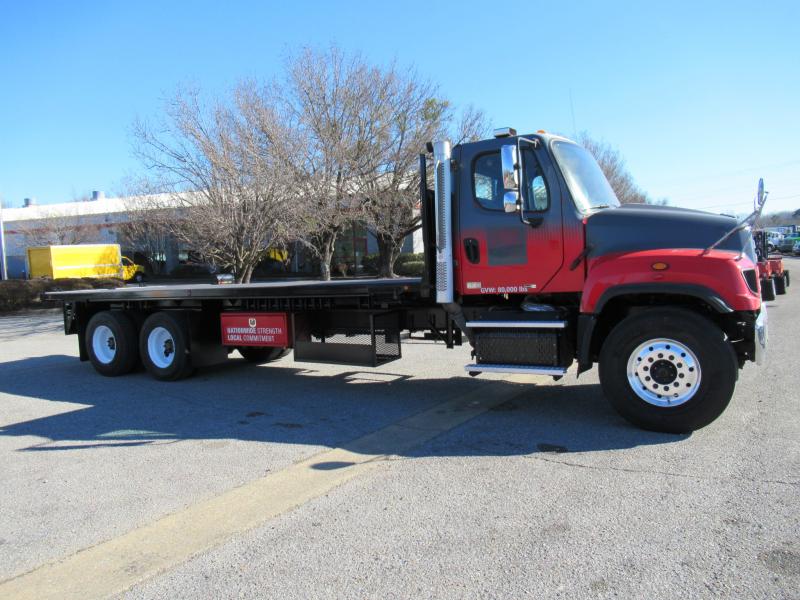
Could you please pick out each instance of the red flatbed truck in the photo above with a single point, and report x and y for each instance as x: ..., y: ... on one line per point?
x: 529, y: 258
x: 773, y: 277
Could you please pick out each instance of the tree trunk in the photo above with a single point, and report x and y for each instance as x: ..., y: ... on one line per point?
x: 247, y: 274
x: 388, y: 250
x: 327, y: 243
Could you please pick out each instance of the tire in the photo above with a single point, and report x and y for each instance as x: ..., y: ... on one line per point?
x: 112, y: 343
x: 260, y: 356
x: 768, y: 289
x: 707, y: 362
x: 780, y: 285
x: 138, y: 278
x: 164, y: 346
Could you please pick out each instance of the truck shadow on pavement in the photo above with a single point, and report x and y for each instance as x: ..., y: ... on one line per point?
x: 285, y: 403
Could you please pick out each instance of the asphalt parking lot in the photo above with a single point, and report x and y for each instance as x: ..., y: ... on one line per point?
x: 299, y: 480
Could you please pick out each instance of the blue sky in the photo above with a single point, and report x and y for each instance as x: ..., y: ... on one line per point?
x: 701, y: 98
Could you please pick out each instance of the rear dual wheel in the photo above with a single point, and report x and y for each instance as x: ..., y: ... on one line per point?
x: 164, y: 346
x: 112, y: 343
x: 668, y: 370
x: 260, y: 356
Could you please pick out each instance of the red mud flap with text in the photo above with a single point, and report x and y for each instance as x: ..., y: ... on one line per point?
x: 256, y: 329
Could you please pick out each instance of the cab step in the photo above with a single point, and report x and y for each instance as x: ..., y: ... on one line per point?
x: 524, y: 369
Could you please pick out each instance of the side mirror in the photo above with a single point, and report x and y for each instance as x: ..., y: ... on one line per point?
x: 511, y: 202
x: 508, y: 159
x: 759, y: 196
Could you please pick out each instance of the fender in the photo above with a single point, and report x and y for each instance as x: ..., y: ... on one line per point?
x: 587, y: 322
x: 701, y: 292
x: 716, y: 278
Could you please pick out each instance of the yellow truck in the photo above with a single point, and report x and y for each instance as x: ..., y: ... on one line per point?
x: 82, y: 260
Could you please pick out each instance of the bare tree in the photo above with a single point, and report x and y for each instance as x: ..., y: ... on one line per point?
x: 413, y: 116
x: 615, y: 170
x: 59, y: 227
x: 222, y: 176
x: 149, y: 224
x: 332, y: 102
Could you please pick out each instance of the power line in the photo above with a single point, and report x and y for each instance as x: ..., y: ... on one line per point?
x: 731, y: 173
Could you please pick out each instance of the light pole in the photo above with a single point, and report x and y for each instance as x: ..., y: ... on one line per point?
x: 4, y: 274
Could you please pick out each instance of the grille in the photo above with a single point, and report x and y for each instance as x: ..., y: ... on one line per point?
x: 751, y: 278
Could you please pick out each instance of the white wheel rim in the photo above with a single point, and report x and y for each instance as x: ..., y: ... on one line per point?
x: 664, y: 373
x: 161, y: 347
x: 104, y: 344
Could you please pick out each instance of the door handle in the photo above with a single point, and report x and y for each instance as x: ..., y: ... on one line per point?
x: 472, y: 250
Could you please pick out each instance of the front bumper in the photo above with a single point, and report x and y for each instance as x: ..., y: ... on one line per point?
x: 760, y: 335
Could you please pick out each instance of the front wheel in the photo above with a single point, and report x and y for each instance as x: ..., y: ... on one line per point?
x: 768, y: 289
x: 668, y: 370
x: 780, y: 285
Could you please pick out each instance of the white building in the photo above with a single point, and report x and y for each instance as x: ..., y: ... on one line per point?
x: 98, y: 221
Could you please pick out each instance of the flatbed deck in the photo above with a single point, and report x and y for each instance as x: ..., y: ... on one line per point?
x: 304, y: 288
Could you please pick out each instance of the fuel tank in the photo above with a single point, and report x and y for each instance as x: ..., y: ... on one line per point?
x: 633, y: 227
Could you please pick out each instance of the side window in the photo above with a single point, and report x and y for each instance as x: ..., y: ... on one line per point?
x: 487, y: 181
x: 537, y: 196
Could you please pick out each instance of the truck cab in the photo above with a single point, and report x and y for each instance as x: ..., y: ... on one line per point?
x: 540, y: 266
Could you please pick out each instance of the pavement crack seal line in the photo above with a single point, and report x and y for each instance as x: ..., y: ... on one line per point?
x: 114, y: 566
x: 566, y: 463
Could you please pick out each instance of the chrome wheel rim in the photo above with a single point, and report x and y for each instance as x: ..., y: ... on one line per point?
x: 161, y: 347
x: 104, y: 344
x: 664, y: 373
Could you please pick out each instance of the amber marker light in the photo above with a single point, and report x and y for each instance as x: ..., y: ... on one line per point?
x: 659, y: 266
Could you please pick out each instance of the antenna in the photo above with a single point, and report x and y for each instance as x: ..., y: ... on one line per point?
x: 572, y: 110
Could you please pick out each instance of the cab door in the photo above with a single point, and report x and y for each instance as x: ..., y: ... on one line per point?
x: 497, y: 252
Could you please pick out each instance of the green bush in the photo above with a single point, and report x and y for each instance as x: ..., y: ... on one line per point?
x: 409, y: 258
x: 411, y: 268
x: 371, y: 264
x: 18, y: 294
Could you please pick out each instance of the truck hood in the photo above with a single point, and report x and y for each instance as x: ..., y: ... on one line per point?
x: 634, y: 227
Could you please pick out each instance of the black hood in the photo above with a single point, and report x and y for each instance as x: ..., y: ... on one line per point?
x: 633, y: 227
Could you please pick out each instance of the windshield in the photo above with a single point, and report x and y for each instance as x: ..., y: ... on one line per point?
x: 589, y: 187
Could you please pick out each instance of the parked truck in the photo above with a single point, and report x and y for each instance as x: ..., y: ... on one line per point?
x: 75, y: 260
x: 529, y: 258
x: 82, y: 260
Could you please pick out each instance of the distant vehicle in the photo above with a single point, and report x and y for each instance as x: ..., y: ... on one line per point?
x: 788, y: 242
x: 75, y: 261
x: 774, y: 240
x: 796, y: 248
x: 131, y: 271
